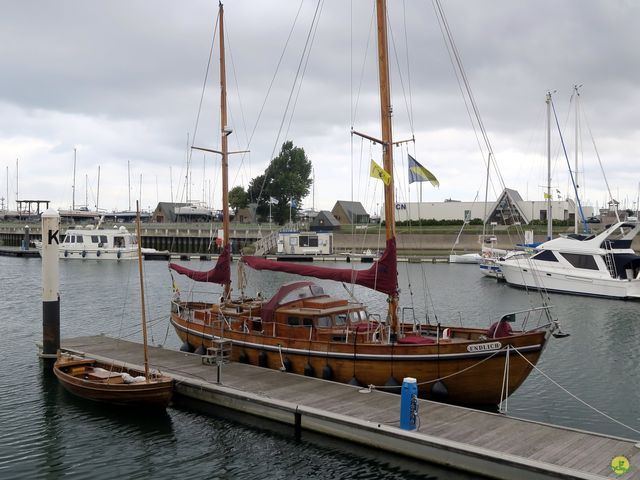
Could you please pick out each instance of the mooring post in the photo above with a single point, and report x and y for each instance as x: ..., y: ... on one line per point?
x: 50, y: 283
x: 25, y: 239
x: 409, y: 403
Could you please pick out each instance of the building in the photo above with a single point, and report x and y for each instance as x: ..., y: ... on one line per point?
x: 324, y: 221
x: 305, y: 243
x: 349, y: 213
x: 508, y: 209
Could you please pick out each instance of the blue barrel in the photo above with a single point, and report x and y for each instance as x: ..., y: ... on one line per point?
x: 408, y: 403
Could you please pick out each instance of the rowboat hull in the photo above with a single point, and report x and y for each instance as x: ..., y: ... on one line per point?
x: 86, y: 378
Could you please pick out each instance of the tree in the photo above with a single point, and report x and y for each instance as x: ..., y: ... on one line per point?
x: 238, y: 199
x: 288, y: 177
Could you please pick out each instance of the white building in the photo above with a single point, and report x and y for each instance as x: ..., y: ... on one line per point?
x: 507, y: 210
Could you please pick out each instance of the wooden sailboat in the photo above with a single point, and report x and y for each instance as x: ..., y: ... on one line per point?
x: 305, y: 331
x: 103, y: 382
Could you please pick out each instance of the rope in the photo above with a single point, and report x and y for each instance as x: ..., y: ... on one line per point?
x: 609, y: 417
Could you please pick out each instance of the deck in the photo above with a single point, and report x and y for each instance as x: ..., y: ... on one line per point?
x: 483, y: 443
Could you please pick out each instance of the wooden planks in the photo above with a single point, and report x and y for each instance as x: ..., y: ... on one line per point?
x: 529, y: 446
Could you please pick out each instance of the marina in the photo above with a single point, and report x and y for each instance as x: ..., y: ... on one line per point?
x: 269, y: 339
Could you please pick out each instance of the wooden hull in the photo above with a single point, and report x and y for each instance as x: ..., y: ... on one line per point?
x: 471, y: 371
x: 80, y: 377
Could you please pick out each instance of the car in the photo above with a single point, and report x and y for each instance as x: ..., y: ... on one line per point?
x: 593, y: 220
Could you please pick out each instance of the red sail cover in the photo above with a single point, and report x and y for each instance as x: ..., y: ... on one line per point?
x: 221, y: 273
x: 382, y: 276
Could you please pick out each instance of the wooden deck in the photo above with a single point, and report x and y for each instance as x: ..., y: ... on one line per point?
x: 483, y: 443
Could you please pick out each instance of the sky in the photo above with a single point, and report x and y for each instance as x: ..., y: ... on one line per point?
x: 127, y: 85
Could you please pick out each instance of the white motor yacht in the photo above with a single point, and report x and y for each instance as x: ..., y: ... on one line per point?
x: 602, y: 265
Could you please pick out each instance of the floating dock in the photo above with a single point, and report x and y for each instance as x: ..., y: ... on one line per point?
x: 482, y: 443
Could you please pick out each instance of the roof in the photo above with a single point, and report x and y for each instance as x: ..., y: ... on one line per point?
x: 325, y: 218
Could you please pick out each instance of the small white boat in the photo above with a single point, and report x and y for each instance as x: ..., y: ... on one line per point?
x: 91, y: 243
x: 465, y: 258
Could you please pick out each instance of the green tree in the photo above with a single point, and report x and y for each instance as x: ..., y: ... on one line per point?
x: 288, y: 177
x: 238, y: 198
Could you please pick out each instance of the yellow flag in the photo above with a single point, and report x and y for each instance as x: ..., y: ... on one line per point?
x: 378, y: 172
x: 547, y: 195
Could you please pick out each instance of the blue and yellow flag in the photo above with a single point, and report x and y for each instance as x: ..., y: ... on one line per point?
x: 417, y: 173
x: 378, y: 172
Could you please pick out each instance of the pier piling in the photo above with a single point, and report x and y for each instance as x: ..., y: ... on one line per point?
x: 50, y: 283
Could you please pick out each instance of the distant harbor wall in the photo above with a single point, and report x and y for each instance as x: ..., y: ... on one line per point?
x: 200, y: 238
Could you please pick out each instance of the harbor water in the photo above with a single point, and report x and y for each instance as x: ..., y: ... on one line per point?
x: 47, y: 433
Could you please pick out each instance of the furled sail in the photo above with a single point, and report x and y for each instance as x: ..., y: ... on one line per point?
x: 382, y: 276
x: 221, y: 273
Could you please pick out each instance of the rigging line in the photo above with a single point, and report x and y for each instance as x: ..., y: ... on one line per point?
x: 406, y: 42
x: 204, y: 84
x: 273, y: 79
x: 465, y: 79
x: 364, y: 61
x: 395, y: 54
x: 575, y: 189
x: 304, y: 70
x: 295, y: 80
x: 606, y: 182
x: 576, y: 397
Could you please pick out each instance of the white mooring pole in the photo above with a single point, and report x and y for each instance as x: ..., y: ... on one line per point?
x: 50, y: 283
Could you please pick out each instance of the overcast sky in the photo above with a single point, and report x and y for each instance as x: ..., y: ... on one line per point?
x: 121, y: 81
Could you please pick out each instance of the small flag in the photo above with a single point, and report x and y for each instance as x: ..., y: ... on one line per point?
x: 273, y: 200
x: 547, y: 196
x: 378, y: 172
x: 292, y: 203
x: 417, y: 173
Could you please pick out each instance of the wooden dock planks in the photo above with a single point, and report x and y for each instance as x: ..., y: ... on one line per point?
x: 536, y: 450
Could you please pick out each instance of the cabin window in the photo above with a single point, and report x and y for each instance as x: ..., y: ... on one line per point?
x: 323, y: 322
x: 308, y: 241
x: 307, y: 322
x: 294, y: 321
x: 354, y: 316
x: 67, y: 239
x: 118, y: 242
x: 94, y: 238
x: 103, y: 239
x: 581, y: 261
x: 341, y: 319
x: 546, y: 255
x: 79, y: 239
x: 316, y: 290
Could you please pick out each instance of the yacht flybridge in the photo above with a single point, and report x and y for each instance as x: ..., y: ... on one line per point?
x: 602, y: 265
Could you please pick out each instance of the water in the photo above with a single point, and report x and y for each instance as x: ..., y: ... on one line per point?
x: 47, y: 433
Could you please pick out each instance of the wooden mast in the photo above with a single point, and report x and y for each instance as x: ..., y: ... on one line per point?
x: 143, y: 316
x: 387, y: 142
x: 225, y: 148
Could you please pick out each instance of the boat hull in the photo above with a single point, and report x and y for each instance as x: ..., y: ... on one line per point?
x: 73, y: 376
x: 471, y: 372
x: 525, y: 275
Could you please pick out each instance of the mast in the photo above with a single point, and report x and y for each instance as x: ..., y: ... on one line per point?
x: 548, y: 195
x: 73, y: 187
x: 129, y: 184
x: 576, y: 170
x: 225, y: 131
x: 387, y: 144
x: 98, y: 191
x: 143, y: 314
